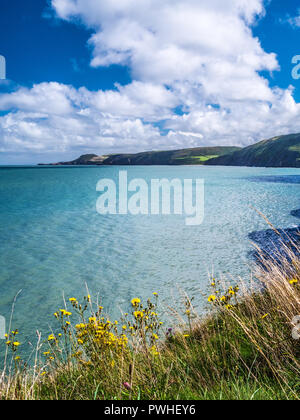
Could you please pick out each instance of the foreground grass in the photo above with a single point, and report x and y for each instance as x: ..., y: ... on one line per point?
x: 243, y: 349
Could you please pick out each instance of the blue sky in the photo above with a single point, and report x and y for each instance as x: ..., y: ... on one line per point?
x: 117, y: 76
x: 39, y: 48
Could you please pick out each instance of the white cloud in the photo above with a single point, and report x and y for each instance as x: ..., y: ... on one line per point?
x: 198, y: 55
x: 45, y: 97
x: 295, y: 21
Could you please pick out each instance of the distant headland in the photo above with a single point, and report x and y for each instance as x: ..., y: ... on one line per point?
x: 278, y: 152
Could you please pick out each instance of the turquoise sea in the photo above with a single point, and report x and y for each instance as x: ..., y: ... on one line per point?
x: 52, y: 240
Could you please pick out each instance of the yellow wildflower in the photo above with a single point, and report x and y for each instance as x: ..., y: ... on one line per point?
x: 135, y: 302
x: 154, y: 351
x: 65, y: 313
x: 211, y: 298
x: 293, y: 281
x: 51, y: 337
x: 138, y: 314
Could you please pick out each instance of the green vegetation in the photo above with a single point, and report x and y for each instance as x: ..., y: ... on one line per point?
x: 242, y: 349
x: 199, y: 159
x: 283, y: 151
x: 194, y: 156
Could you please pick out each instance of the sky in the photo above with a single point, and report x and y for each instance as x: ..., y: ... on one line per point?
x: 109, y: 76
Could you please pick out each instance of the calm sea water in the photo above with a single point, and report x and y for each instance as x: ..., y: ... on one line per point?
x: 52, y: 240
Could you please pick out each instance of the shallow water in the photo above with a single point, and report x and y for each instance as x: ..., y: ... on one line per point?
x: 52, y: 240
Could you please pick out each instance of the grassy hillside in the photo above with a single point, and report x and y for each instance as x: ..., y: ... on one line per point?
x: 283, y: 151
x: 195, y: 156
